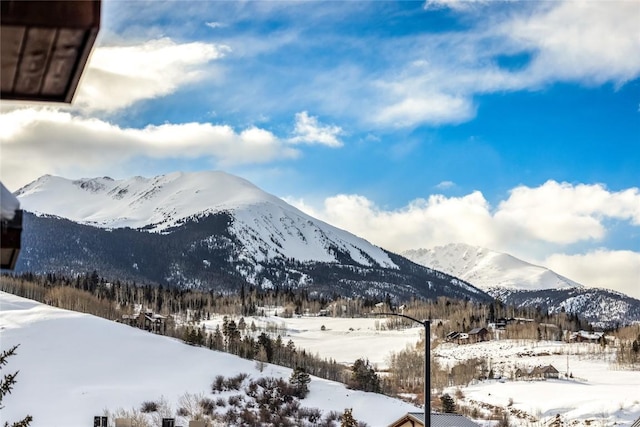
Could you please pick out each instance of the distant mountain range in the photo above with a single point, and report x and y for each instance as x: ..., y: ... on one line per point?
x: 209, y: 230
x: 521, y: 284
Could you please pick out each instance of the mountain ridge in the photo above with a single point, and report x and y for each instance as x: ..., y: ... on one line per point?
x: 162, y: 203
x: 209, y: 230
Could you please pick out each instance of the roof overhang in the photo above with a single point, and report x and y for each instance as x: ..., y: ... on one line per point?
x: 45, y: 47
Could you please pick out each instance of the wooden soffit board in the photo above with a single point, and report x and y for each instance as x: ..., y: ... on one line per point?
x: 45, y: 46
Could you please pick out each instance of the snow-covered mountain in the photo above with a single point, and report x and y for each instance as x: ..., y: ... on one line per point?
x: 210, y: 230
x: 267, y: 226
x: 521, y: 284
x: 489, y: 269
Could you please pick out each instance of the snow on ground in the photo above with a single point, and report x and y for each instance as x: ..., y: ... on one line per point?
x: 344, y: 339
x: 73, y: 366
x: 597, y: 392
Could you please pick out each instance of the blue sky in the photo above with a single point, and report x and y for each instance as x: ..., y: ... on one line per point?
x: 510, y: 125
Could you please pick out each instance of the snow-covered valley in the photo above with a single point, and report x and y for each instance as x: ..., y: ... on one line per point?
x: 74, y: 366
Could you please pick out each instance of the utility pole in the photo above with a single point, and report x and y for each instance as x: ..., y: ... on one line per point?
x: 427, y: 362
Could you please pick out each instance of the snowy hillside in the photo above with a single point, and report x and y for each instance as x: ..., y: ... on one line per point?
x: 488, y: 269
x: 74, y: 366
x: 267, y: 226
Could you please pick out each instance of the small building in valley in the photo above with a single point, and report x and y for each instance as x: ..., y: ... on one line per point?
x: 584, y: 336
x: 478, y: 335
x: 536, y: 373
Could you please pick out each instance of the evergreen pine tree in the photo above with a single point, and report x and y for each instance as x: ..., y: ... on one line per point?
x: 6, y: 385
x: 218, y: 339
x: 364, y: 377
x: 448, y: 404
x: 348, y: 420
x: 300, y: 381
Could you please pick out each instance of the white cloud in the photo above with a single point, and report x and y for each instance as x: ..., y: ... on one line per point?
x: 531, y: 223
x: 445, y: 185
x: 119, y: 76
x: 423, y: 223
x: 564, y: 213
x: 434, y: 108
x: 585, y: 41
x: 619, y: 270
x: 451, y: 4
x: 214, y: 24
x: 309, y: 131
x: 551, y: 215
x: 35, y: 142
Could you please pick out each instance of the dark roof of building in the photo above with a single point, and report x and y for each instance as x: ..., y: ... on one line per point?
x: 443, y: 420
x: 549, y: 369
x: 476, y: 331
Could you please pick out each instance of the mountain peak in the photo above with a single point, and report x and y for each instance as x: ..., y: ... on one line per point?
x: 156, y: 203
x: 267, y: 225
x: 488, y: 269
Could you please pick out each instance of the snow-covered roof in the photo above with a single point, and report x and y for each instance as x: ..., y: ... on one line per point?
x: 587, y: 335
x: 9, y: 204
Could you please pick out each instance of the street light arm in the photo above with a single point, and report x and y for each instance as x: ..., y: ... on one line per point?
x: 427, y: 362
x: 422, y: 322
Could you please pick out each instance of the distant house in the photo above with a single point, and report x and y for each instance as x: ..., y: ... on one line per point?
x: 549, y: 371
x: 523, y: 374
x: 478, y: 334
x: 452, y: 336
x: 416, y: 419
x: 538, y: 372
x: 154, y: 322
x: 147, y: 320
x: 502, y: 323
x: 584, y: 336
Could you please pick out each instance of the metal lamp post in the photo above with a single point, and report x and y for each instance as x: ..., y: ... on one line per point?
x: 427, y: 363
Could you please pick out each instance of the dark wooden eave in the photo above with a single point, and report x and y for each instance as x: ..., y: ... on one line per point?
x: 45, y: 47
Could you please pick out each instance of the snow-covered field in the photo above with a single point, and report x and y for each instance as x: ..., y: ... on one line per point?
x: 344, y: 339
x: 73, y: 366
x: 598, y: 394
